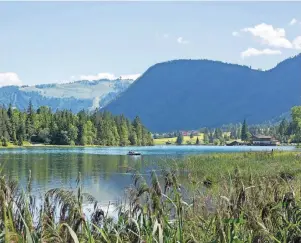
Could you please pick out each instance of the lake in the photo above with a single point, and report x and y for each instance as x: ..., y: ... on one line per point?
x: 104, y: 170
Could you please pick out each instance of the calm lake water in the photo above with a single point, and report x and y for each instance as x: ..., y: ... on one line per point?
x: 104, y: 170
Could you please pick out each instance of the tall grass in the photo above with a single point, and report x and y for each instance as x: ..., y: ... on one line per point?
x: 249, y: 197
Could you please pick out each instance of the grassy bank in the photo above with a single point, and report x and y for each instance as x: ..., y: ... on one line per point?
x: 257, y: 164
x: 186, y: 139
x: 11, y: 145
x: 250, y: 197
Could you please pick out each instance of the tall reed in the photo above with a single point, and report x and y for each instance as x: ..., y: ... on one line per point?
x: 239, y: 203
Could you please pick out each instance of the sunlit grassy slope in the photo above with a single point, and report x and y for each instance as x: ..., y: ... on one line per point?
x: 162, y: 141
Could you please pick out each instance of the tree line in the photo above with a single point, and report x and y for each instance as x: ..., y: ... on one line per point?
x: 285, y: 131
x: 65, y: 128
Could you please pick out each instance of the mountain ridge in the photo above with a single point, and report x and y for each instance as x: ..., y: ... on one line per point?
x: 196, y: 89
x: 175, y: 83
x: 75, y: 96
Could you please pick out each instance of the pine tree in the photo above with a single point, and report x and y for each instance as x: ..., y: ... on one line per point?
x: 283, y: 127
x: 90, y: 132
x: 138, y: 129
x: 180, y: 139
x: 20, y: 142
x: 4, y: 142
x: 72, y: 134
x: 148, y: 138
x: 29, y: 125
x: 123, y: 134
x: 244, y: 131
x: 211, y: 137
x: 206, y: 138
x: 21, y: 128
x: 133, y: 137
x: 10, y: 111
x: 12, y: 125
x: 115, y: 134
x: 82, y: 134
x: 197, y: 141
x: 218, y: 134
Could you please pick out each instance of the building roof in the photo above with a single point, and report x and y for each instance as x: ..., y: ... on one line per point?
x: 262, y: 136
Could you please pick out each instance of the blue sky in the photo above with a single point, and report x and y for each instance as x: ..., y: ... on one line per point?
x: 45, y: 42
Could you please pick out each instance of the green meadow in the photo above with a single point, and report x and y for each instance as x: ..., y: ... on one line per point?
x: 186, y: 139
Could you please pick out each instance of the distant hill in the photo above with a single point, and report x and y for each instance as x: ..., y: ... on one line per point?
x: 74, y: 96
x: 189, y: 94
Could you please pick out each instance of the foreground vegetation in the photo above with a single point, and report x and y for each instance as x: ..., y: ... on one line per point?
x: 258, y: 164
x: 65, y: 128
x: 245, y: 197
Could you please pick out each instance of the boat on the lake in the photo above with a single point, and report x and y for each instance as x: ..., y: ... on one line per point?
x: 133, y: 153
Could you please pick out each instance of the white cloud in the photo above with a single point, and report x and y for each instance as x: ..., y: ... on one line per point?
x: 97, y: 76
x: 131, y: 76
x: 269, y: 35
x: 166, y: 35
x: 109, y: 76
x: 297, y: 43
x: 9, y: 78
x: 181, y: 40
x: 235, y: 34
x: 293, y: 21
x: 255, y: 52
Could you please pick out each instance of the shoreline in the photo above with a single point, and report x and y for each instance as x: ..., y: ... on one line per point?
x: 29, y: 145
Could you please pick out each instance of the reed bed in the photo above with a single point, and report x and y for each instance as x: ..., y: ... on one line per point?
x: 246, y: 197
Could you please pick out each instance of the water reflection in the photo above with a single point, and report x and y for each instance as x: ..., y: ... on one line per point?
x: 103, y: 176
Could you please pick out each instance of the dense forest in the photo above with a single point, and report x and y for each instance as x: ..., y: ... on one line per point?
x: 65, y: 128
x: 286, y: 131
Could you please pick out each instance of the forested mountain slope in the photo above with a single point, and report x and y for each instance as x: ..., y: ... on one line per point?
x: 189, y: 94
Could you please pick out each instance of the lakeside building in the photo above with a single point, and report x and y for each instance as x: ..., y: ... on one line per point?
x: 262, y: 140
